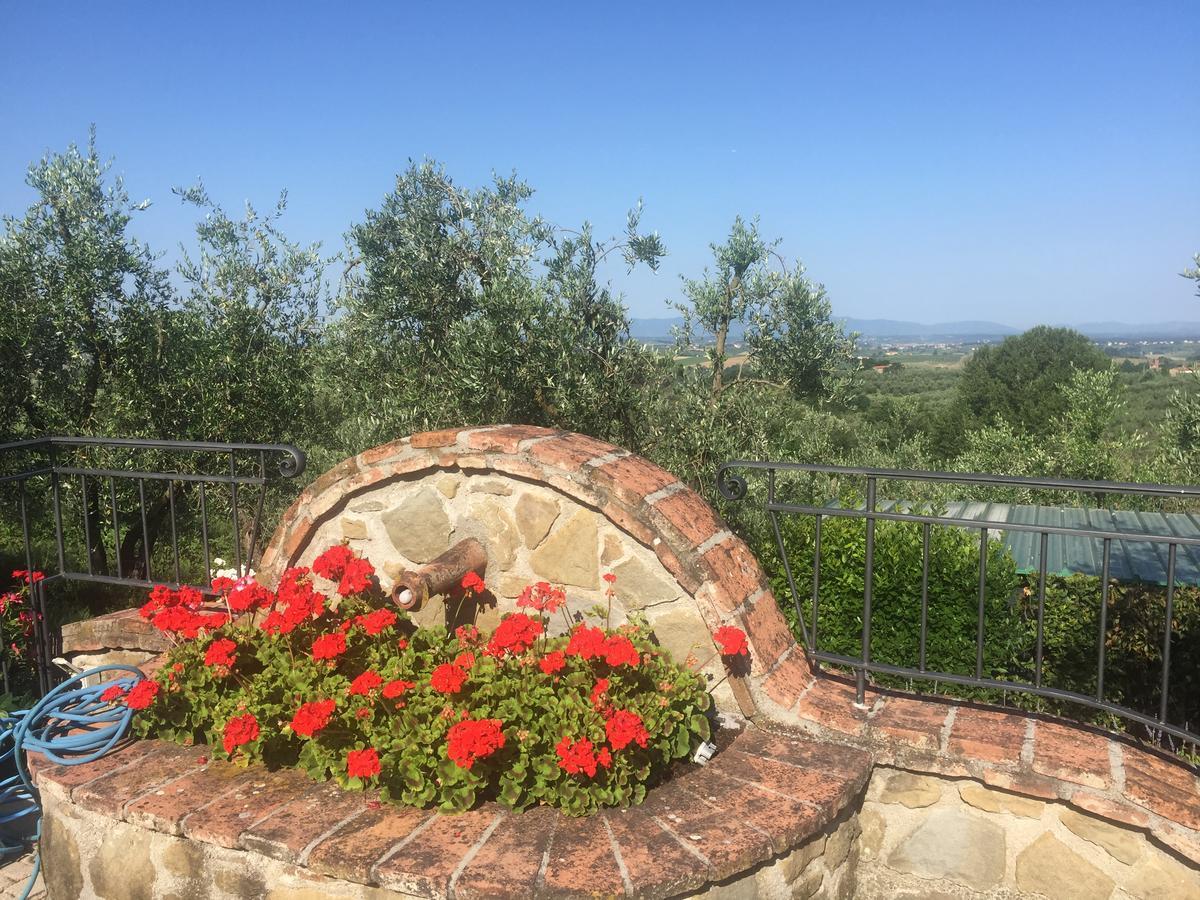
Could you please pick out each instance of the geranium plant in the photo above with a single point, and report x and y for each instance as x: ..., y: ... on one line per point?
x: 17, y: 621
x: 347, y: 688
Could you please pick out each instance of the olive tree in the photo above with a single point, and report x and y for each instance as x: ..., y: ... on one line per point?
x: 795, y: 344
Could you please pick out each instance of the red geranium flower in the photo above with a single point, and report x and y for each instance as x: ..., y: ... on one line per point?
x: 238, y: 731
x: 142, y: 694
x: 332, y: 563
x: 312, y: 717
x: 362, y: 763
x: 553, y: 662
x: 542, y: 597
x: 220, y: 654
x: 576, y: 756
x: 473, y: 739
x: 448, y: 678
x: 364, y: 683
x: 619, y: 650
x: 356, y: 577
x: 28, y: 576
x: 732, y: 641
x: 112, y: 693
x: 586, y: 642
x: 329, y: 646
x: 610, y: 577
x: 624, y: 727
x: 514, y: 635
x: 472, y: 582
x: 394, y: 689
x: 374, y: 622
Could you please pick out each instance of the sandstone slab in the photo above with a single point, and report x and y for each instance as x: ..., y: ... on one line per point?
x: 1050, y: 867
x: 1121, y: 843
x: 535, y: 516
x: 988, y: 800
x: 418, y: 526
x: 955, y: 846
x: 570, y: 555
x: 913, y: 791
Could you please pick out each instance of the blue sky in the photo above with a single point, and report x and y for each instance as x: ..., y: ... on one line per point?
x: 1021, y: 162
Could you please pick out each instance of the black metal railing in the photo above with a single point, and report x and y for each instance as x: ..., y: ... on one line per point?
x: 820, y: 494
x: 131, y: 512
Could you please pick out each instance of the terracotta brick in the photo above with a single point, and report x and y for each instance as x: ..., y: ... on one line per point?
x: 1162, y: 786
x: 581, y: 861
x: 917, y: 723
x: 631, y: 478
x: 223, y: 821
x: 520, y: 468
x: 326, y: 480
x: 165, y: 808
x: 350, y: 853
x: 371, y: 457
x: 428, y: 439
x: 730, y: 844
x: 789, y: 680
x: 631, y: 523
x: 656, y: 863
x: 987, y: 735
x: 509, y: 861
x: 1185, y: 843
x: 770, y: 636
x: 686, y: 571
x: 506, y: 438
x: 831, y: 704
x: 297, y: 537
x: 1071, y: 754
x: 785, y: 819
x: 1022, y: 783
x: 569, y: 452
x: 1125, y: 813
x: 63, y: 780
x: 109, y: 793
x: 735, y: 573
x: 827, y: 790
x: 423, y: 866
x: 286, y: 833
x: 687, y: 513
x: 847, y: 764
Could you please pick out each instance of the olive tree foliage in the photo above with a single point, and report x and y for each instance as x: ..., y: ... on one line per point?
x: 460, y: 307
x: 795, y: 344
x: 76, y: 292
x: 236, y: 357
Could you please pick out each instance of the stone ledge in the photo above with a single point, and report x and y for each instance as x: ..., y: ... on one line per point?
x: 763, y: 796
x: 1030, y: 755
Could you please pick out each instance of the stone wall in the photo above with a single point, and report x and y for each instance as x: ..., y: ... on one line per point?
x: 548, y: 506
x: 925, y: 836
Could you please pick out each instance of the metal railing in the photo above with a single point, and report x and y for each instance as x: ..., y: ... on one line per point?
x: 97, y: 509
x: 865, y: 507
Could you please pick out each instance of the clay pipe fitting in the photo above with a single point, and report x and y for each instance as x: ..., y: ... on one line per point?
x: 443, y: 575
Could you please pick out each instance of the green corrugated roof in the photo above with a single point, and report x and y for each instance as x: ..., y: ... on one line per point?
x: 1130, y: 560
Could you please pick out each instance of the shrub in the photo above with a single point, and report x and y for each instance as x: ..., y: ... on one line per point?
x: 351, y: 691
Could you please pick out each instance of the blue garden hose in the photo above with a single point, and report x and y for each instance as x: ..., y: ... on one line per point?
x: 70, y: 726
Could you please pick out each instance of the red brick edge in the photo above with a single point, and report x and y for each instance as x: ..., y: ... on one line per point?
x: 646, y: 502
x: 763, y: 795
x: 1101, y: 773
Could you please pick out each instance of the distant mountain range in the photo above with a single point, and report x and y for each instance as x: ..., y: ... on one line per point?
x: 651, y: 329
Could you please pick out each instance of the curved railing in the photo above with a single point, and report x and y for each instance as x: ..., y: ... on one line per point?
x: 1166, y: 540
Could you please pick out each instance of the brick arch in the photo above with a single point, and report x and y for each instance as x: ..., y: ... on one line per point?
x: 639, y: 498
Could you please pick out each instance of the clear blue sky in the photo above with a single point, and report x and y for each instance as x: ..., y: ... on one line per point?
x: 1021, y: 162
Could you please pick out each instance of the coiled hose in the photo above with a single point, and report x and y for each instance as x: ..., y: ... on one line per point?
x: 70, y: 726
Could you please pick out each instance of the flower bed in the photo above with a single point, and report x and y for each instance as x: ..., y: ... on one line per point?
x: 344, y: 688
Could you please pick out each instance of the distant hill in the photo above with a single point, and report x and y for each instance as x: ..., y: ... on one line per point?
x: 891, y: 328
x: 659, y: 330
